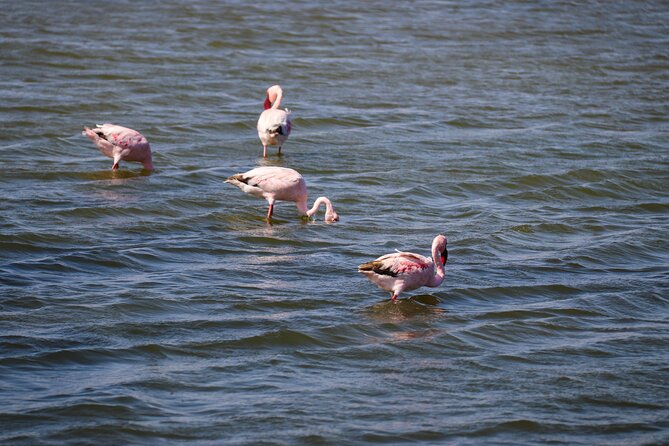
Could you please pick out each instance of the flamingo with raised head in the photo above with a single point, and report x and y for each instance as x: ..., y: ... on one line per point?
x: 121, y: 143
x: 406, y: 271
x: 281, y: 184
x: 274, y: 124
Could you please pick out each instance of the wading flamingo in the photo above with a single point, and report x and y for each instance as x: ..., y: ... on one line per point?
x: 406, y: 271
x: 273, y: 124
x: 121, y: 143
x: 281, y: 184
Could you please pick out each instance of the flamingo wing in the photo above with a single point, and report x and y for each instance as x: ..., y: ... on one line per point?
x: 272, y: 179
x: 278, y: 183
x: 396, y: 264
x: 121, y: 136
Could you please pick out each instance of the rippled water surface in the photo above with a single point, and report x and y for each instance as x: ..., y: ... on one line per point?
x: 162, y: 308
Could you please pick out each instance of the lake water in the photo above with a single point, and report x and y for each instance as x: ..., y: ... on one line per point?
x: 162, y: 308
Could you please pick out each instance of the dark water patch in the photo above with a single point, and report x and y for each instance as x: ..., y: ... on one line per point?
x: 546, y: 291
x: 615, y: 401
x: 77, y: 262
x: 64, y: 357
x: 517, y: 426
x: 11, y: 279
x: 117, y: 407
x: 542, y: 313
x: 420, y: 435
x: 25, y: 345
x: 282, y: 339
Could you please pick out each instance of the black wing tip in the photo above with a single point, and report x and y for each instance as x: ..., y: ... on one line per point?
x: 375, y: 267
x: 277, y: 130
x: 238, y: 177
x: 100, y: 133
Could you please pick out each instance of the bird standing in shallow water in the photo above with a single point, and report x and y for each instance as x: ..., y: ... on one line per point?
x: 274, y: 124
x: 121, y: 143
x: 281, y: 184
x: 406, y: 271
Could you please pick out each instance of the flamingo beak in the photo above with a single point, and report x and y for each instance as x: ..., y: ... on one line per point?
x: 444, y: 257
x: 267, y: 103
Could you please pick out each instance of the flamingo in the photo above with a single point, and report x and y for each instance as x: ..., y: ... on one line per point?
x: 121, y: 143
x: 281, y: 183
x: 406, y: 271
x: 274, y: 124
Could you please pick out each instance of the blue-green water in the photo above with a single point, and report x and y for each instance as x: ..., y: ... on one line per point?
x: 163, y: 309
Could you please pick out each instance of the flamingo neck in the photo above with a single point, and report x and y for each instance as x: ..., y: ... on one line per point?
x: 277, y: 101
x: 330, y: 214
x: 274, y: 95
x: 317, y: 204
x: 148, y: 163
x: 439, y: 271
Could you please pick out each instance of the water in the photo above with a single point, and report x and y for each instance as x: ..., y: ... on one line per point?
x: 163, y: 309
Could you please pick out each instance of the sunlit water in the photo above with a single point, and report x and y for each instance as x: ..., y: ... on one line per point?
x: 162, y: 308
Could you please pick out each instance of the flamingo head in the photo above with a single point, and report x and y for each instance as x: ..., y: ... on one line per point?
x: 273, y: 93
x: 440, y: 245
x: 331, y: 217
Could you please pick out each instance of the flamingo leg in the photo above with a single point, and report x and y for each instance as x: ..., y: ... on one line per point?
x: 264, y: 151
x: 279, y: 150
x: 270, y: 211
x: 393, y: 297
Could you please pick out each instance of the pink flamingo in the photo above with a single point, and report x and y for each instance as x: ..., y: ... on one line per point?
x: 121, y: 143
x: 406, y: 271
x: 274, y: 124
x: 280, y: 183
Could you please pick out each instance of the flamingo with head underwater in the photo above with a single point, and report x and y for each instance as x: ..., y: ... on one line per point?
x: 281, y: 184
x: 274, y: 124
x: 121, y: 144
x: 406, y: 271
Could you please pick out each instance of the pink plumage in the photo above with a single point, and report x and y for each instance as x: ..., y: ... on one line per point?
x: 121, y: 143
x: 273, y: 125
x: 281, y: 184
x: 406, y: 271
